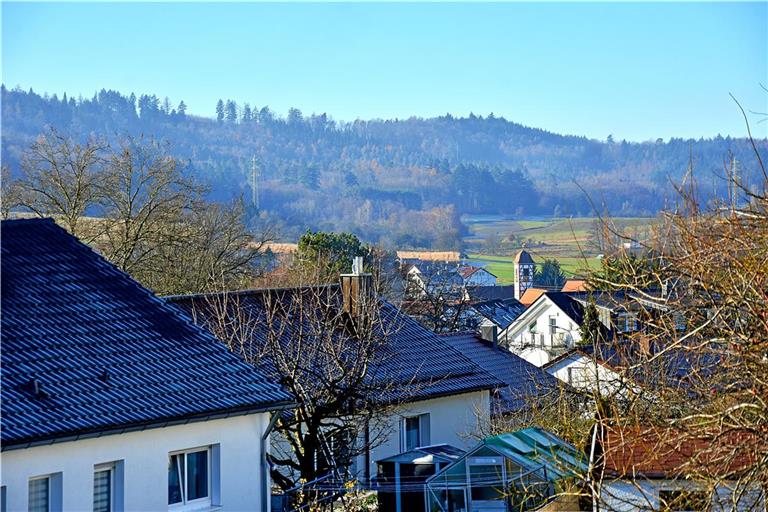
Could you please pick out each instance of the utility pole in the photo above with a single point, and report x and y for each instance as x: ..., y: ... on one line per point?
x: 734, y: 180
x: 254, y: 183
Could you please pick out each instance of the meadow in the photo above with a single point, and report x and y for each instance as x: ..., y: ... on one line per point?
x: 493, y: 241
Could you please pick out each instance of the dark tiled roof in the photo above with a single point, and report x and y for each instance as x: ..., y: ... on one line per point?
x: 500, y: 312
x: 467, y: 271
x: 482, y: 293
x: 435, y: 272
x: 524, y: 383
x: 425, y: 365
x: 654, y: 364
x: 523, y: 257
x: 568, y: 304
x: 103, y: 352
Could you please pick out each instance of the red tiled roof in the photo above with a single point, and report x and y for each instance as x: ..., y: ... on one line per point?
x: 531, y: 295
x: 665, y: 452
x: 575, y: 285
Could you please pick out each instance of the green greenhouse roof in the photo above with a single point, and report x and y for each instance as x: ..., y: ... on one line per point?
x: 540, y: 448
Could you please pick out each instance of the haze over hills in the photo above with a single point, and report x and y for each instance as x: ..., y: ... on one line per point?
x: 398, y: 182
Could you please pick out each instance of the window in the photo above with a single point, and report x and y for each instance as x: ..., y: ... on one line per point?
x: 570, y: 376
x: 44, y: 493
x: 552, y: 325
x: 627, y: 322
x: 189, y: 478
x: 103, y: 488
x: 415, y: 432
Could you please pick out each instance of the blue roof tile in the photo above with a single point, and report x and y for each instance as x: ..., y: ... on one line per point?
x: 524, y: 383
x: 422, y: 361
x: 105, y: 352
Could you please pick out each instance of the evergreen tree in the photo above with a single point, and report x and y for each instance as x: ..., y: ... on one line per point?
x: 247, y: 113
x: 309, y: 177
x: 220, y: 111
x: 182, y: 109
x: 592, y: 330
x: 166, y: 108
x: 231, y: 111
x: 550, y: 275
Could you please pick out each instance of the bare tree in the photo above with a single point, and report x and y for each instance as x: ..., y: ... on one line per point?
x: 147, y: 217
x: 145, y: 199
x: 704, y: 277
x: 333, y: 356
x: 438, y: 300
x: 60, y: 177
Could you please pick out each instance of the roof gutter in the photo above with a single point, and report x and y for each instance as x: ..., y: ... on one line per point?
x: 138, y: 427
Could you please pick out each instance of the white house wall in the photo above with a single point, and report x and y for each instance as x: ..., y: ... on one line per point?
x: 627, y: 496
x: 144, y: 457
x: 454, y: 420
x: 586, y: 375
x: 518, y: 335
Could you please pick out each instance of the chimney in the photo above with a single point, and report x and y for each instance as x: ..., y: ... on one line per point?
x: 490, y: 333
x: 356, y: 289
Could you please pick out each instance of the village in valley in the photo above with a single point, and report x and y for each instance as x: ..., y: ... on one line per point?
x: 444, y: 313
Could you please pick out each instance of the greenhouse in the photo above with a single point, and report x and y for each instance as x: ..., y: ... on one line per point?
x: 510, y: 472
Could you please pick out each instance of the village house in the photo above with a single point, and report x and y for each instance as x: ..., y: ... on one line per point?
x: 620, y: 367
x: 443, y: 396
x: 497, y: 313
x: 114, y: 401
x: 549, y: 327
x: 476, y: 276
x: 645, y: 468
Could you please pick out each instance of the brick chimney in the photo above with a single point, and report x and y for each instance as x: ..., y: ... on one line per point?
x: 357, y: 290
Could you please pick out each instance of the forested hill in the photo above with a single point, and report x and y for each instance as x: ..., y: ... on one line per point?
x: 400, y: 182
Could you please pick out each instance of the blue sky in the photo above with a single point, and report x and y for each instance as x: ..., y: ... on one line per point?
x: 637, y: 71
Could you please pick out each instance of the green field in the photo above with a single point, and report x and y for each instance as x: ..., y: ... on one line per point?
x: 494, y: 241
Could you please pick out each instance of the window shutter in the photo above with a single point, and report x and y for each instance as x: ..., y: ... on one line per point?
x: 424, y: 429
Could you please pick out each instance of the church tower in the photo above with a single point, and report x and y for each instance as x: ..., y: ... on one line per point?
x: 524, y: 266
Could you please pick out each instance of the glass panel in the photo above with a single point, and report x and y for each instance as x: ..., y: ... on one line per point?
x: 456, y: 500
x: 197, y: 475
x: 38, y: 495
x: 175, y: 470
x: 411, y: 433
x: 102, y: 491
x: 487, y: 482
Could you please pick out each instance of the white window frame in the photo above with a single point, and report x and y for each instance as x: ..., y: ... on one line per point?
x: 199, y: 502
x: 404, y: 432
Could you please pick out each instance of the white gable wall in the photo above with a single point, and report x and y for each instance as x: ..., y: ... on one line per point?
x: 144, y: 457
x: 453, y: 419
x: 585, y: 374
x: 519, y: 335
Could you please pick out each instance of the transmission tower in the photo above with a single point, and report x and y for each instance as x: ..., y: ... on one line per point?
x: 254, y: 183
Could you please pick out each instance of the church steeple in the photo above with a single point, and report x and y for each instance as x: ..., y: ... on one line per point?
x: 524, y: 266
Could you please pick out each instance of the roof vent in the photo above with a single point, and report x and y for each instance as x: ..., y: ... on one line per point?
x: 35, y: 387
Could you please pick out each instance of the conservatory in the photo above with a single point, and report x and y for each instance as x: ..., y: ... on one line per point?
x: 517, y: 471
